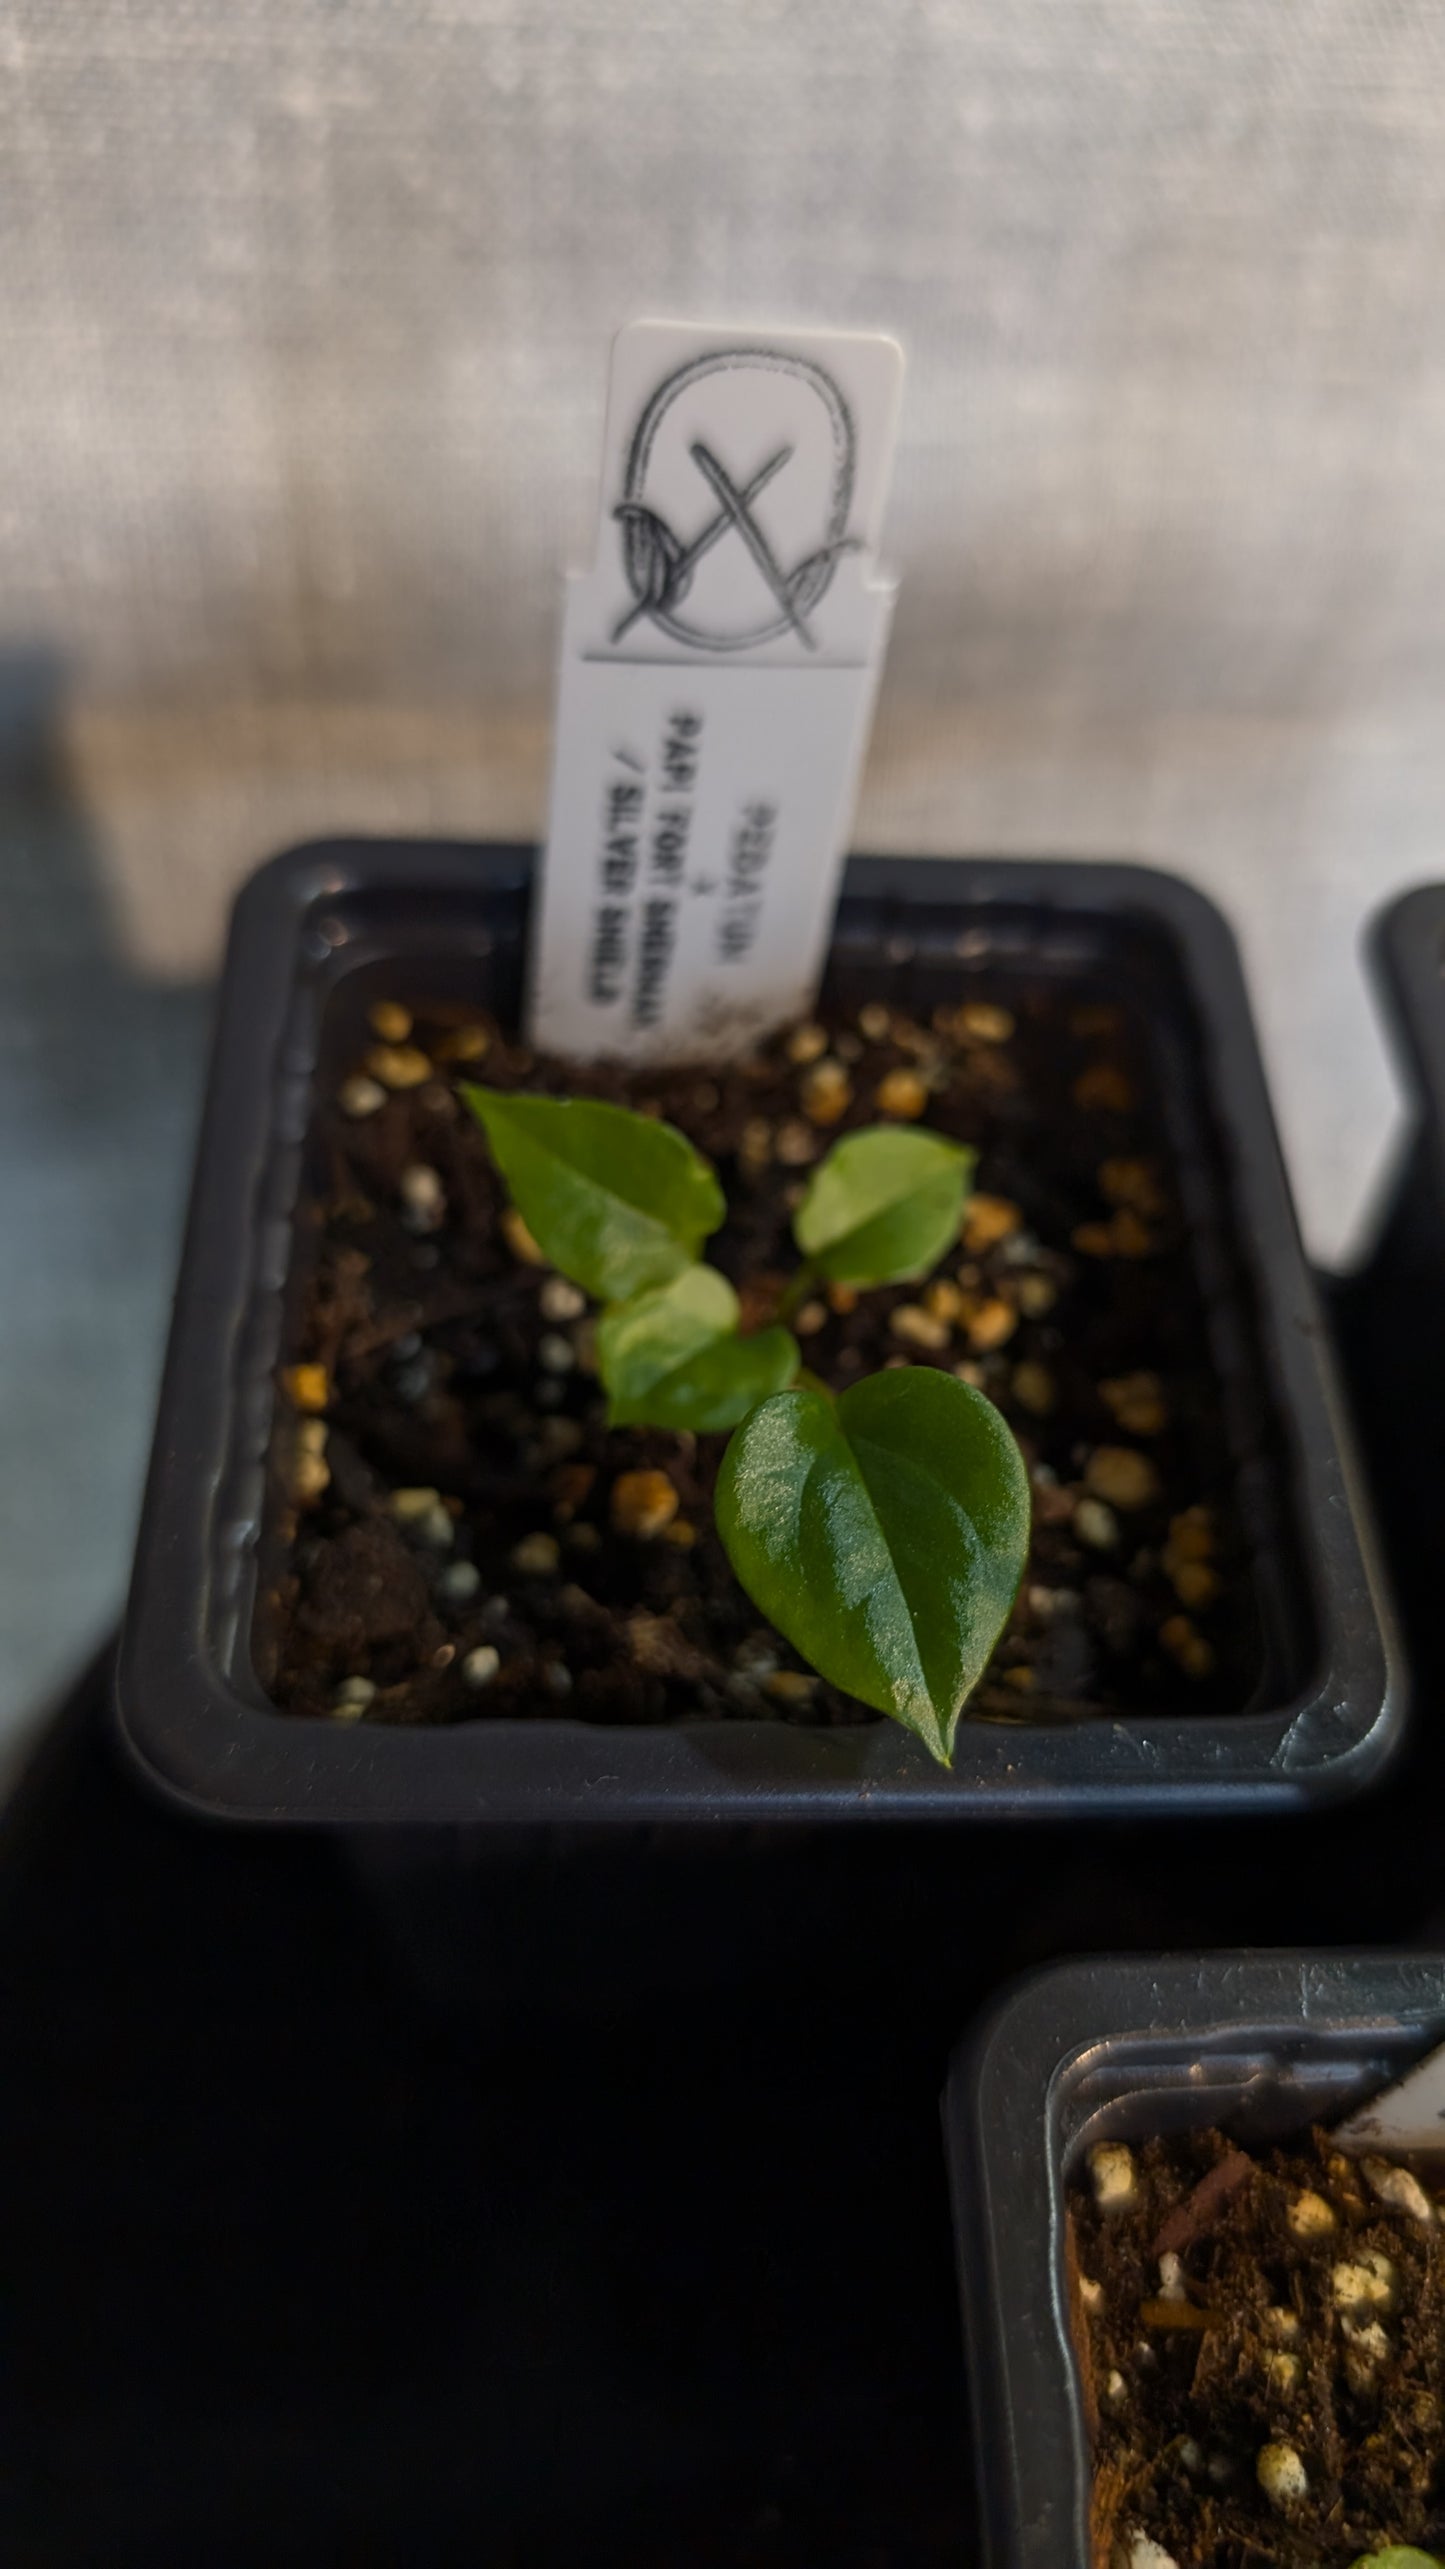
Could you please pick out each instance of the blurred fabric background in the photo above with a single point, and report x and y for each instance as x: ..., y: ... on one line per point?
x: 306, y: 312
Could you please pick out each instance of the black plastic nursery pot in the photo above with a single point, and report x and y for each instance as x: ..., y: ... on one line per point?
x: 1391, y: 1309
x: 1408, y: 955
x: 1262, y: 2045
x: 322, y: 933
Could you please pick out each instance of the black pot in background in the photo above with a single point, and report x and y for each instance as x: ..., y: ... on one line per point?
x: 320, y: 933
x: 1262, y: 2044
x: 1392, y: 1312
x: 1408, y: 954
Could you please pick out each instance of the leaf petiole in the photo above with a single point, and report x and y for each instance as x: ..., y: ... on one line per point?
x: 798, y: 1289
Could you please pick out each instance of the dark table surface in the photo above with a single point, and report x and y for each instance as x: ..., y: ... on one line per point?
x: 579, y: 2201
x: 301, y: 2266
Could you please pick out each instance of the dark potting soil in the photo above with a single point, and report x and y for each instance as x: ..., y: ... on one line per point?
x: 448, y: 1537
x: 1262, y: 2345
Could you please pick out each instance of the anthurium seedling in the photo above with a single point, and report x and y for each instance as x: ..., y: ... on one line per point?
x: 884, y: 1532
x: 616, y: 1201
x: 884, y: 1206
x: 674, y: 1357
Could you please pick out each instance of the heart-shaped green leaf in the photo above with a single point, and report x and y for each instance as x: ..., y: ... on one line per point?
x: 885, y: 1534
x: 617, y: 1201
x: 884, y: 1205
x: 673, y: 1357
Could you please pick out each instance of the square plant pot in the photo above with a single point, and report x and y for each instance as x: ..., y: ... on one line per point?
x: 1262, y: 2045
x: 1408, y: 956
x: 324, y: 932
x: 1390, y: 1309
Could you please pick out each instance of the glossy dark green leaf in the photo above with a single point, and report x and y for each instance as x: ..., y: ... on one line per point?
x: 884, y: 1206
x: 618, y: 1202
x: 885, y: 1534
x: 673, y: 1357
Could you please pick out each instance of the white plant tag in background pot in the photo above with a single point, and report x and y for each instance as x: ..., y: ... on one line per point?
x: 719, y: 666
x: 1406, y: 2120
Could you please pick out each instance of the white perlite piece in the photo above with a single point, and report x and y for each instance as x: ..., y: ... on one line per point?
x: 1309, y: 2215
x: 1398, y: 2190
x: 1111, y: 2173
x: 560, y: 1300
x: 1116, y: 2389
x: 1096, y: 1525
x: 424, y: 1516
x: 361, y: 1096
x: 1367, y: 2337
x: 1141, y: 2551
x: 1281, y: 2324
x: 1367, y: 2280
x: 1171, y: 2277
x: 423, y: 1197
x: 1282, y: 2475
x: 1283, y: 2375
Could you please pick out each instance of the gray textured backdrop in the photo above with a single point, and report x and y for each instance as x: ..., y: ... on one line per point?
x: 306, y: 313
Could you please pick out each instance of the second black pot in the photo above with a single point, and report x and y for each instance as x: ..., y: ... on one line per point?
x: 1391, y: 1311
x: 1262, y: 2044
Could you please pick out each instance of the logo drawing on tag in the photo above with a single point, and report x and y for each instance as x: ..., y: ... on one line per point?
x: 659, y: 563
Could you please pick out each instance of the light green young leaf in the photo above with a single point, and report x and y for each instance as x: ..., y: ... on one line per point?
x: 673, y: 1357
x: 1398, y: 2557
x: 884, y: 1205
x: 617, y: 1201
x: 885, y: 1534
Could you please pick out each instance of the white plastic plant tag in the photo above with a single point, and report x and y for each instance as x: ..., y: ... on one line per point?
x: 719, y: 665
x: 1407, y: 2119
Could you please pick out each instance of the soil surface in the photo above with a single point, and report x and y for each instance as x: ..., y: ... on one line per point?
x: 447, y: 1539
x: 1262, y: 2341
